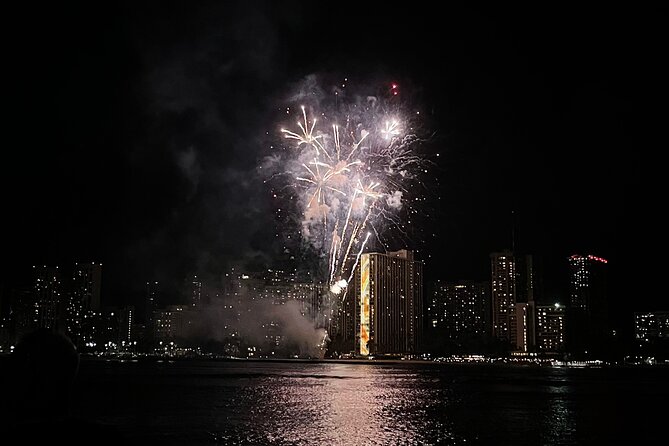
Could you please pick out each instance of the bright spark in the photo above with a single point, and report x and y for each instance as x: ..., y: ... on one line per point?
x: 357, y: 168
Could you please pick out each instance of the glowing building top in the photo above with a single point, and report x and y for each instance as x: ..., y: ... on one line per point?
x: 585, y: 274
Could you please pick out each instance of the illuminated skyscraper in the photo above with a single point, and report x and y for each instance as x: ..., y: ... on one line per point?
x: 651, y: 327
x: 503, y: 294
x: 87, y: 283
x: 172, y: 322
x: 588, y: 282
x: 151, y: 303
x: 391, y: 304
x: 83, y: 300
x: 521, y: 326
x: 195, y: 291
x: 126, y: 324
x: 550, y: 328
x: 589, y: 322
x: 48, y: 309
x: 513, y: 296
x: 458, y: 310
x: 526, y: 279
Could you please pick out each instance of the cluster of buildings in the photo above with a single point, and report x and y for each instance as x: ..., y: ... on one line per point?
x: 69, y: 302
x: 651, y: 328
x: 66, y: 301
x: 507, y: 312
x: 510, y: 313
x: 386, y: 311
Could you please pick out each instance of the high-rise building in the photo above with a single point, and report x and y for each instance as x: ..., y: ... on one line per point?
x: 503, y: 294
x: 588, y: 282
x: 49, y: 310
x: 525, y: 278
x: 651, y: 326
x: 23, y: 313
x: 74, y: 317
x: 100, y: 330
x: 348, y: 317
x: 589, y: 324
x: 126, y: 324
x: 107, y: 329
x: 550, y: 328
x: 458, y: 310
x: 195, y: 292
x: 87, y: 283
x: 151, y: 302
x: 523, y: 318
x: 83, y: 299
x: 172, y: 322
x: 391, y: 304
x: 521, y: 326
x: 513, y: 299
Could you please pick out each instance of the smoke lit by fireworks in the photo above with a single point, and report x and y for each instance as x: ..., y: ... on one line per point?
x: 357, y: 172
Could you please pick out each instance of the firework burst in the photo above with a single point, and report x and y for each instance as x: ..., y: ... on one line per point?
x: 355, y: 167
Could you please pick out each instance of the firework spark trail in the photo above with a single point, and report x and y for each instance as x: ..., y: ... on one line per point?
x: 355, y: 174
x: 354, y: 234
x: 357, y: 258
x: 333, y: 252
x: 340, y: 241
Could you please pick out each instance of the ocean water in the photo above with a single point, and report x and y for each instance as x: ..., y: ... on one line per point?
x: 314, y: 403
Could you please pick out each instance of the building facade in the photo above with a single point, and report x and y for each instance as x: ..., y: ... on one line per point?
x: 172, y: 322
x: 83, y: 298
x: 589, y: 329
x: 458, y: 310
x: 49, y: 306
x: 503, y: 294
x: 550, y: 328
x: 513, y: 292
x: 391, y: 304
x: 651, y: 326
x: 151, y: 303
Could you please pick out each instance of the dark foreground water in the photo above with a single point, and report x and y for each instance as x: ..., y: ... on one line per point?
x: 199, y: 402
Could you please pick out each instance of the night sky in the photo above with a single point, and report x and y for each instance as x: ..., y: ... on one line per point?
x: 133, y: 132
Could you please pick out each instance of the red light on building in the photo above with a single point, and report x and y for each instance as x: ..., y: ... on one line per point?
x: 589, y: 257
x: 598, y: 259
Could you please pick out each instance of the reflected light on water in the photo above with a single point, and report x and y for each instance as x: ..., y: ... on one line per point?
x: 308, y: 403
x: 341, y: 404
x: 370, y: 410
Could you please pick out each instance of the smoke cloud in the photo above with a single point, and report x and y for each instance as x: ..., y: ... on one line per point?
x: 272, y: 329
x: 394, y: 200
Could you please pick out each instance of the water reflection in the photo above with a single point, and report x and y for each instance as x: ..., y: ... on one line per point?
x: 270, y: 403
x: 558, y: 423
x: 379, y: 408
x: 341, y: 404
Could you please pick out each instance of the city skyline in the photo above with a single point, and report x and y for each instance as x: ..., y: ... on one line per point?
x: 187, y: 287
x: 503, y: 314
x: 523, y: 305
x: 293, y: 222
x: 148, y: 145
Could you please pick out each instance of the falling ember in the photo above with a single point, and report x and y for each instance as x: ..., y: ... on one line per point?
x: 355, y: 168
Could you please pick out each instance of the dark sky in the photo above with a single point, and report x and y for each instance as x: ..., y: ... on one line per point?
x: 134, y: 129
